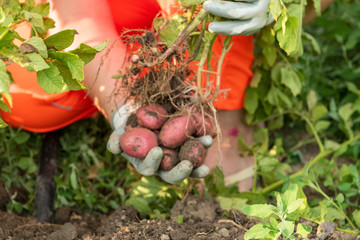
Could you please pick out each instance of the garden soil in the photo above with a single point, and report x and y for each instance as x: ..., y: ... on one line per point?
x: 202, y: 218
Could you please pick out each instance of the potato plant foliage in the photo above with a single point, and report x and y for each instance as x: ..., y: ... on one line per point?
x: 56, y: 70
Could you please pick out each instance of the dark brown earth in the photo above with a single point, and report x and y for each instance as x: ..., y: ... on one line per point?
x: 202, y: 219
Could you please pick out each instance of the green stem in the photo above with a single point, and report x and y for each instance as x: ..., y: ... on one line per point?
x: 320, y: 156
x: 318, y: 189
x: 313, y: 130
x: 255, y: 173
x: 3, y: 34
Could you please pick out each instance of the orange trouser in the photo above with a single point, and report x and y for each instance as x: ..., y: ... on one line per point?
x: 37, y: 111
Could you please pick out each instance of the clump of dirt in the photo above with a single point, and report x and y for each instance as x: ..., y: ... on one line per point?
x: 202, y: 218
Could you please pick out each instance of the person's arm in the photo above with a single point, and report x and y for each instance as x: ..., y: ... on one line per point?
x: 93, y: 21
x: 310, y: 13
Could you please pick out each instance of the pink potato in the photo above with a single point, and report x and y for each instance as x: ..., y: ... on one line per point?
x: 204, y: 126
x: 138, y: 141
x: 169, y: 160
x: 176, y: 130
x: 194, y: 151
x: 151, y: 116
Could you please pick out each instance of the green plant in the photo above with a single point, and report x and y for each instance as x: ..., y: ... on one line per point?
x: 56, y: 70
x: 281, y: 218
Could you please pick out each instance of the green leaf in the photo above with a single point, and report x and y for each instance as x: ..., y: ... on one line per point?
x: 256, y: 78
x: 228, y: 203
x: 311, y: 99
x: 346, y: 111
x: 38, y: 44
x: 258, y: 231
x: 270, y: 54
x: 60, y: 40
x: 251, y: 100
x: 48, y: 23
x: 313, y: 41
x: 275, y: 8
x: 322, y: 125
x: 72, y: 61
x: 273, y: 222
x: 302, y: 230
x: 22, y: 137
x: 19, y: 58
x: 289, y: 35
x: 73, y: 179
x: 2, y: 123
x: 35, y: 19
x: 286, y: 227
x: 43, y: 9
x: 87, y: 53
x: 356, y: 215
x: 190, y: 2
x: 50, y: 80
x: 37, y: 63
x: 293, y: 206
x: 26, y: 163
x: 317, y: 6
x: 259, y: 210
x: 2, y: 16
x: 171, y: 30
x: 180, y: 219
x: 71, y: 82
x: 4, y: 78
x: 318, y: 112
x: 4, y: 107
x: 291, y: 80
x: 101, y: 46
x: 140, y: 204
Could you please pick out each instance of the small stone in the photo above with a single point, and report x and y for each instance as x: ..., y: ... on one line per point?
x: 169, y: 229
x: 67, y: 231
x: 164, y: 237
x: 224, y: 232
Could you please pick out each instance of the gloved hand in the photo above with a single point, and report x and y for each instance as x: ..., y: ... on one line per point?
x: 150, y: 164
x: 246, y: 16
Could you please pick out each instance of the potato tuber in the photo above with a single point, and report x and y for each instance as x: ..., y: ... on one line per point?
x: 169, y: 160
x: 151, y: 116
x: 138, y: 141
x: 176, y: 130
x: 194, y: 151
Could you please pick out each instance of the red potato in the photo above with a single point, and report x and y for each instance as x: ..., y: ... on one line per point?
x: 194, y: 151
x: 204, y: 126
x: 138, y: 141
x: 169, y: 160
x: 151, y: 116
x: 176, y: 130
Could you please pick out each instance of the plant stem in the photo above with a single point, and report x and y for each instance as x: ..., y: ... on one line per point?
x: 319, y: 190
x: 320, y: 156
x: 183, y: 35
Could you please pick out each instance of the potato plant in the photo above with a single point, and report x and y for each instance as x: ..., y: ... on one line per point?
x: 56, y: 70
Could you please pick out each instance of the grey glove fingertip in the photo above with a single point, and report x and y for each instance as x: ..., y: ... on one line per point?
x: 113, y: 144
x: 200, y: 172
x: 206, y: 140
x: 149, y: 165
x: 181, y: 171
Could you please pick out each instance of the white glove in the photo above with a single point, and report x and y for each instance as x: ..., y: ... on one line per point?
x: 246, y: 17
x: 150, y: 164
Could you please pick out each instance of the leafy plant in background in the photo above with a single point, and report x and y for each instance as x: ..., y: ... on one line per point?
x: 57, y: 71
x: 281, y: 218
